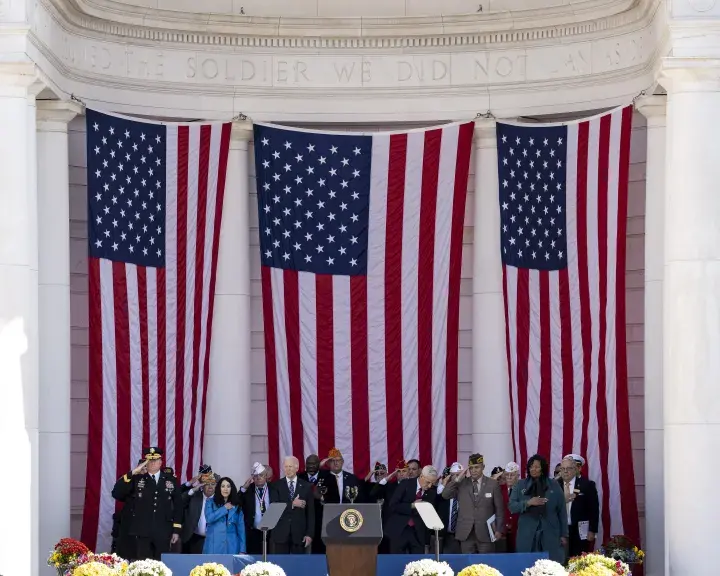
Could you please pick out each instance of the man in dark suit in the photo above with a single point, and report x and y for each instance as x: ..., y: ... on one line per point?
x: 194, y: 527
x: 294, y: 531
x: 312, y: 475
x: 157, y: 506
x: 448, y: 510
x: 404, y: 527
x: 255, y: 501
x: 336, y: 480
x: 583, y: 506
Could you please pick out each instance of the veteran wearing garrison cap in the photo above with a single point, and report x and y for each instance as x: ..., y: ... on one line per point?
x: 337, y: 480
x: 156, y: 506
x: 478, y: 497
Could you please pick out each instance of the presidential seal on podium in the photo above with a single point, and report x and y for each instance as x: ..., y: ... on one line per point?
x: 351, y: 520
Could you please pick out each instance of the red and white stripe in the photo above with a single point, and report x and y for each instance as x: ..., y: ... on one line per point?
x: 150, y: 332
x: 566, y: 329
x: 368, y: 364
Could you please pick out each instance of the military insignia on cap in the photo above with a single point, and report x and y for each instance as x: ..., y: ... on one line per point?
x: 351, y: 520
x: 401, y: 465
x: 380, y: 466
x: 205, y: 469
x: 335, y: 453
x: 476, y: 459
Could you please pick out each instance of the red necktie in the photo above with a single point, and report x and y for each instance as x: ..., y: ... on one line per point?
x: 418, y: 496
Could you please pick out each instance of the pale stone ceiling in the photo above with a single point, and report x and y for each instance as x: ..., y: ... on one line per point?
x: 352, y: 8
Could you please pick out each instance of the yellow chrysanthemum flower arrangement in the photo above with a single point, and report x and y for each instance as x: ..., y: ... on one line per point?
x: 93, y: 569
x: 578, y: 565
x: 479, y: 570
x: 595, y: 570
x: 210, y: 569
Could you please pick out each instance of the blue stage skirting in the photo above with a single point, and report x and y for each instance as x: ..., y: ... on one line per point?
x: 315, y: 564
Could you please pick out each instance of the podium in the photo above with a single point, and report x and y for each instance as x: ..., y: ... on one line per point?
x: 351, y: 533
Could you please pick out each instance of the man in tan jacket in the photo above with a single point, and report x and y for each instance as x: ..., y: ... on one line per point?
x: 479, y: 498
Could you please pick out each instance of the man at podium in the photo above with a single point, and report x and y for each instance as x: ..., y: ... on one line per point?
x: 404, y: 527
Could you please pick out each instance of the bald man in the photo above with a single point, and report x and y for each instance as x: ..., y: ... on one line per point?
x: 294, y: 532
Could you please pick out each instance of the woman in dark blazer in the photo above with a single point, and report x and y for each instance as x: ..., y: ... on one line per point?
x: 540, y: 503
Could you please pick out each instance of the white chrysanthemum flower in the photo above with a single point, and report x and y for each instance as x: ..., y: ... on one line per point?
x: 428, y: 568
x: 262, y: 569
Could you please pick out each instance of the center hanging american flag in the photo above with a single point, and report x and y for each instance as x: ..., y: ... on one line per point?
x: 563, y: 210
x: 155, y: 197
x: 361, y: 243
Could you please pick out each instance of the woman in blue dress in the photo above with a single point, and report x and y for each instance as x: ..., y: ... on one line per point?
x: 225, y: 526
x: 540, y: 503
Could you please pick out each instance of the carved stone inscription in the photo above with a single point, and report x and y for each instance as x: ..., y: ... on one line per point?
x: 475, y: 68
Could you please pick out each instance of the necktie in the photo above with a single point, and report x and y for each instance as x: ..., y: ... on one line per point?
x: 568, y: 504
x: 313, y: 479
x: 475, y: 489
x: 453, y: 515
x: 418, y: 496
x: 292, y: 490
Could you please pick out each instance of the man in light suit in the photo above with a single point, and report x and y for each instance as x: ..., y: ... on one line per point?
x: 479, y: 497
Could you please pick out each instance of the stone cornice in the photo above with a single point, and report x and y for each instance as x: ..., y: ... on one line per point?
x: 107, y: 19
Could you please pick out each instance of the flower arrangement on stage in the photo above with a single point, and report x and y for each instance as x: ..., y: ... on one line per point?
x: 93, y: 569
x: 110, y: 560
x: 262, y: 569
x: 545, y: 568
x: 623, y: 549
x: 148, y: 568
x: 479, y: 570
x: 597, y: 565
x: 427, y: 568
x: 66, y: 553
x: 210, y: 569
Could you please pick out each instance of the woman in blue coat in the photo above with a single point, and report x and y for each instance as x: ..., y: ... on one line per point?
x: 540, y: 503
x: 225, y: 532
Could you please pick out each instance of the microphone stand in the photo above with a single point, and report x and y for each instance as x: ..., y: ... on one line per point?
x: 437, y: 545
x: 264, y: 532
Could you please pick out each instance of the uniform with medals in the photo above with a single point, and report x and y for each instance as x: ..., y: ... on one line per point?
x: 156, y: 509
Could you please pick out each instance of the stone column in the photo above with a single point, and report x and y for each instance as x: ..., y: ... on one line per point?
x: 227, y: 420
x: 54, y: 315
x: 492, y: 433
x: 691, y: 305
x: 19, y: 413
x: 653, y: 108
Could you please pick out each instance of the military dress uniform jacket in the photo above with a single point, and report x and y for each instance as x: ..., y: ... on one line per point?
x: 156, y: 508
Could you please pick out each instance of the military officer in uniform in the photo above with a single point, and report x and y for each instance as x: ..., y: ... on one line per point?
x: 156, y: 505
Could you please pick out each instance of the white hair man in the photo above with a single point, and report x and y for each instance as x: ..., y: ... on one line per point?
x: 404, y: 527
x: 583, y: 506
x: 295, y: 529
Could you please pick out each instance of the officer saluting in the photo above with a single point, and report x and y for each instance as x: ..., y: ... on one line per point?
x: 155, y: 518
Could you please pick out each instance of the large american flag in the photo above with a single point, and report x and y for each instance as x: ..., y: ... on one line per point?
x: 361, y: 243
x: 563, y: 209
x: 155, y: 196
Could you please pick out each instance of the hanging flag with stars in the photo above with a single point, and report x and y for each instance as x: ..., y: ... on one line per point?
x: 155, y: 196
x: 361, y: 244
x: 563, y: 211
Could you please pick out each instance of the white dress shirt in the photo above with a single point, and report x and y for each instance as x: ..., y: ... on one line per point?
x: 201, y: 528
x: 339, y: 478
x: 568, y: 505
x: 156, y: 477
x: 266, y: 499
